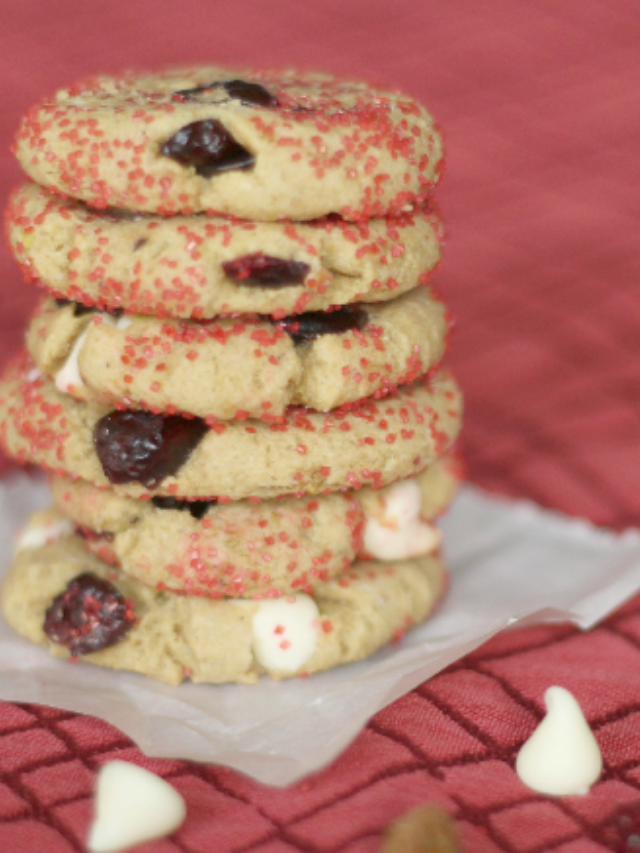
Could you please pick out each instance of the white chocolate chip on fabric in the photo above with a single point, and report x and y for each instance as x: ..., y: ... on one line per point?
x: 562, y: 756
x: 132, y: 806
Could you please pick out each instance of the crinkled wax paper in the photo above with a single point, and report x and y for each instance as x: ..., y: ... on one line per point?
x: 510, y: 562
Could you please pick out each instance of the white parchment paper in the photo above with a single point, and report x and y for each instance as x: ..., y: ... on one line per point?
x: 510, y: 562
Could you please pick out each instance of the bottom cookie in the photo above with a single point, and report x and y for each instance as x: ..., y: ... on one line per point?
x: 110, y: 619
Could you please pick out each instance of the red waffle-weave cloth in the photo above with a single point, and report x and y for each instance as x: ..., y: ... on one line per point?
x: 539, y: 104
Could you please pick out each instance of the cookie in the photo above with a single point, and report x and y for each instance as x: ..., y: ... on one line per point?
x: 76, y: 605
x: 238, y: 368
x: 244, y: 549
x: 199, y: 267
x: 261, y: 146
x: 368, y: 443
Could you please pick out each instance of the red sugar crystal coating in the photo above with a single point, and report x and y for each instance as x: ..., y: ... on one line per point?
x: 177, y: 280
x: 50, y: 429
x: 151, y: 356
x: 381, y: 147
x: 201, y: 563
x: 236, y: 549
x: 90, y: 615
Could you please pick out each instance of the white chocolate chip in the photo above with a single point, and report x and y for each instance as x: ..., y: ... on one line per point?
x: 132, y: 806
x: 69, y: 374
x: 39, y: 534
x: 410, y: 540
x: 33, y: 374
x: 397, y: 532
x: 562, y: 756
x: 123, y: 322
x: 402, y: 502
x: 285, y: 632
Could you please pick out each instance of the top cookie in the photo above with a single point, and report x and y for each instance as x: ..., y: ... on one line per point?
x: 262, y: 146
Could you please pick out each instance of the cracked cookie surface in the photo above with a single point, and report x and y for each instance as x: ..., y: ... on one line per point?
x: 181, y: 141
x: 240, y: 367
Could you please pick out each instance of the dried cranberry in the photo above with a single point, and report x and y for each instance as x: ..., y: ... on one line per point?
x: 307, y: 327
x: 209, y: 147
x: 249, y: 94
x: 90, y: 615
x: 197, y: 508
x: 265, y: 271
x: 144, y: 447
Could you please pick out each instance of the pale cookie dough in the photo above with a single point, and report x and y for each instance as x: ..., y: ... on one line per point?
x: 306, y: 146
x: 174, y: 637
x: 369, y: 443
x: 236, y: 368
x: 244, y: 549
x: 174, y: 266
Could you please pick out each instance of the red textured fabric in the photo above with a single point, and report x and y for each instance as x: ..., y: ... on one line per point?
x: 539, y: 105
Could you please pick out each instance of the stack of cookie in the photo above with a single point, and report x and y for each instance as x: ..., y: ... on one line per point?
x: 233, y: 378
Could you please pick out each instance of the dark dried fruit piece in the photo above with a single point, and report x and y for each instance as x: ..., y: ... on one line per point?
x: 135, y: 446
x: 261, y: 270
x: 90, y: 615
x: 307, y: 327
x: 197, y: 508
x: 249, y: 94
x: 208, y: 147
